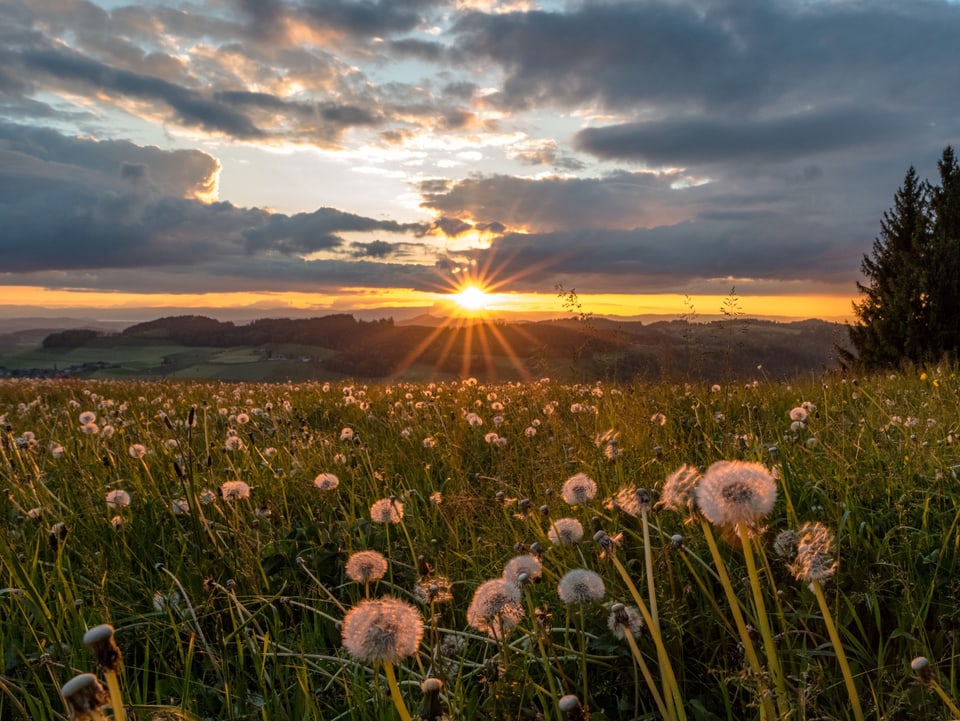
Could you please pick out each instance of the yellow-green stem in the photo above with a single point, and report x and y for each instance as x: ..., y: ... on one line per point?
x: 116, y: 698
x: 671, y: 691
x: 648, y: 559
x: 644, y: 669
x: 838, y: 649
x: 748, y: 649
x: 773, y: 659
x: 954, y: 711
x: 395, y: 692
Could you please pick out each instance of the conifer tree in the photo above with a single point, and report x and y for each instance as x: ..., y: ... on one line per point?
x: 892, y: 312
x: 910, y: 310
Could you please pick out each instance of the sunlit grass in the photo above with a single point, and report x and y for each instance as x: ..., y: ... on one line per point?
x: 229, y: 606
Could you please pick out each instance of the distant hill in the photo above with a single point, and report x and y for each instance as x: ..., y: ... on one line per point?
x: 340, y: 345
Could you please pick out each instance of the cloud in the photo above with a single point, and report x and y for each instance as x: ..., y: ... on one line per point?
x: 691, y: 142
x: 618, y: 200
x: 74, y: 204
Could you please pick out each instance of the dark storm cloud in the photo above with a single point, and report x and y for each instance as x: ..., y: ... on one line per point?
x: 702, y: 141
x: 319, y: 230
x: 665, y: 258
x: 720, y: 57
x: 617, y: 200
x: 190, y: 106
x: 73, y: 204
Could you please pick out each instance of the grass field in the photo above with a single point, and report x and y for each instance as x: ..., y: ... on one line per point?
x: 217, y: 527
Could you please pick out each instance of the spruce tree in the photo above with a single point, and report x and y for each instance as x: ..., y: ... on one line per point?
x: 943, y: 270
x: 893, y: 311
x: 910, y: 310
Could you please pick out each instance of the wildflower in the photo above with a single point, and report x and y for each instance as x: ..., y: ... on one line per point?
x: 608, y: 544
x: 87, y: 417
x: 432, y: 707
x: 118, y: 499
x: 734, y: 492
x: 84, y: 696
x: 433, y: 590
x: 798, y: 414
x: 679, y: 488
x: 579, y: 488
x: 385, y: 629
x: 386, y: 510
x: 581, y: 586
x: 624, y: 620
x: 234, y: 490
x: 366, y: 566
x: 632, y: 500
x: 565, y: 532
x: 326, y: 482
x: 785, y: 544
x: 814, y: 560
x: 137, y: 450
x: 921, y: 667
x: 521, y: 570
x: 101, y: 642
x: 495, y: 608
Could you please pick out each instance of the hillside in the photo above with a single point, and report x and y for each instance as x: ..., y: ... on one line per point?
x: 338, y: 346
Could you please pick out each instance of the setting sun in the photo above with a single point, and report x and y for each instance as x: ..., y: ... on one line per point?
x: 472, y: 298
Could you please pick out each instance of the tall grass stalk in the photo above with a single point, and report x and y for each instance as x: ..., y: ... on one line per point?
x: 748, y: 648
x: 763, y: 621
x: 852, y: 694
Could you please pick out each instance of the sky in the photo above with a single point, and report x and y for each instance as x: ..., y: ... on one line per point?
x: 281, y: 157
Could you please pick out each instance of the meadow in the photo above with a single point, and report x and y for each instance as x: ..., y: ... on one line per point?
x: 462, y: 550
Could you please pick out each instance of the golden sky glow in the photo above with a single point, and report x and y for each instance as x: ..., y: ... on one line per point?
x: 462, y: 301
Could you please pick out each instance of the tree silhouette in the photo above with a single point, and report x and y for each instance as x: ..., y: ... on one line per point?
x: 908, y: 312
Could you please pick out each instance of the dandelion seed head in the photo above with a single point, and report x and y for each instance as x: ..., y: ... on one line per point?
x: 495, y: 608
x: 386, y: 510
x: 326, y: 482
x: 118, y: 499
x: 578, y: 489
x: 565, y: 532
x: 814, y: 560
x: 678, y: 492
x: 234, y: 491
x: 366, y: 566
x: 137, y: 450
x: 581, y: 586
x: 798, y: 414
x: 624, y: 620
x: 384, y: 629
x: 734, y: 492
x: 87, y: 417
x: 527, y: 566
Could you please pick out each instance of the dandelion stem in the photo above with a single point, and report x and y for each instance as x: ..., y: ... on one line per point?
x: 645, y: 670
x: 648, y: 559
x: 954, y: 711
x: 671, y: 690
x: 116, y: 698
x: 395, y: 691
x: 838, y: 649
x: 773, y: 660
x: 749, y: 650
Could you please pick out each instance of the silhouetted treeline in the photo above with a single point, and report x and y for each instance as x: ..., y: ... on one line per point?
x: 586, y: 350
x: 73, y: 338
